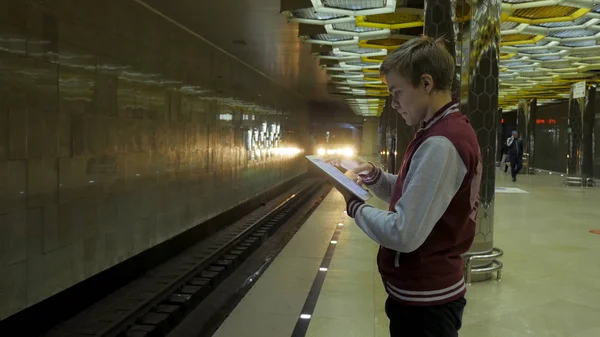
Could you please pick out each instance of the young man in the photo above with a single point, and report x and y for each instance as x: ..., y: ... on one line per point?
x: 433, y: 200
x: 515, y: 153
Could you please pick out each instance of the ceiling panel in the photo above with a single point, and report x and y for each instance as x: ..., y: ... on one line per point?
x: 353, y: 36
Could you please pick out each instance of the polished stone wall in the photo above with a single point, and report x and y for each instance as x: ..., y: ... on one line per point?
x: 119, y: 130
x: 550, y: 126
x: 370, y: 137
x: 550, y: 137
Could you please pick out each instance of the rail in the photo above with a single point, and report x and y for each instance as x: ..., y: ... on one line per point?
x: 200, y: 270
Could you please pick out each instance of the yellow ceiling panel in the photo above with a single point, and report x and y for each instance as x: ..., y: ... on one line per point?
x: 547, y: 14
x: 389, y: 44
x: 374, y: 59
x: 516, y: 37
x: 397, y: 20
x: 393, y: 18
x: 544, y: 12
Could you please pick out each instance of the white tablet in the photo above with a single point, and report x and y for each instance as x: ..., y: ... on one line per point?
x: 338, y: 176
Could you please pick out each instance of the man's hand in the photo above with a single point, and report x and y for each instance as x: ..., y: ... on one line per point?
x: 355, y: 177
x: 347, y: 195
x: 352, y: 164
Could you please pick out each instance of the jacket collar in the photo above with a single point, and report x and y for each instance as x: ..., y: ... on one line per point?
x: 444, y: 111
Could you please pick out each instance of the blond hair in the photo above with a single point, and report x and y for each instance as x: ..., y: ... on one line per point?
x: 419, y: 56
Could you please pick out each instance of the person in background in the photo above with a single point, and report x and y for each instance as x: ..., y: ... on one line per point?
x: 504, y: 163
x: 515, y: 154
x: 433, y: 201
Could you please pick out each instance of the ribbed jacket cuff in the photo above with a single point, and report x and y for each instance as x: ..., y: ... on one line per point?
x: 372, y: 177
x: 352, y: 206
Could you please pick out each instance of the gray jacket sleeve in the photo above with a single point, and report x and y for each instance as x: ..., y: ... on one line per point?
x: 381, y: 184
x: 435, y: 174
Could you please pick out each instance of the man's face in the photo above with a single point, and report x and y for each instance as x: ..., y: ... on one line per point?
x: 410, y: 101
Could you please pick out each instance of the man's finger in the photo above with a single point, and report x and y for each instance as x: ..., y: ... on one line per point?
x: 363, y: 168
x: 333, y: 160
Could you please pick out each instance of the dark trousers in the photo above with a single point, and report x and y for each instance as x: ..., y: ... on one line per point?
x: 436, y: 321
x: 516, y: 164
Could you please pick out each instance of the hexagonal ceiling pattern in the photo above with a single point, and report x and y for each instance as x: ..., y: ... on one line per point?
x: 546, y: 46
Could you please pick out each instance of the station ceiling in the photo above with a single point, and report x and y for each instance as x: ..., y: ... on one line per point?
x: 545, y: 46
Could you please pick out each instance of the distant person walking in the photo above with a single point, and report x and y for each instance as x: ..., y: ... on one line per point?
x: 515, y: 153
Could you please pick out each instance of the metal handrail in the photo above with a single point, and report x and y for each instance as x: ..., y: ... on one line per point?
x: 496, y: 264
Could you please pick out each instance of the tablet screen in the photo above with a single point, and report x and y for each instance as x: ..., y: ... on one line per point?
x: 336, y: 174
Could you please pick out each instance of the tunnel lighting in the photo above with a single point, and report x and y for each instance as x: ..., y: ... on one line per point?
x: 287, y: 151
x: 348, y: 152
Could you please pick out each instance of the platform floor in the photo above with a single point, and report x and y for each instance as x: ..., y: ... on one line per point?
x: 550, y: 285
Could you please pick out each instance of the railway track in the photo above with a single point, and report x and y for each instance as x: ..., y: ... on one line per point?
x: 155, y: 303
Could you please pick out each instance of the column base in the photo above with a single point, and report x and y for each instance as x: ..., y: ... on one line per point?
x: 480, y: 266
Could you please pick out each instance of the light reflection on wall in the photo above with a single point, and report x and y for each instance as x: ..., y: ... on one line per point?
x: 225, y: 117
x: 265, y: 141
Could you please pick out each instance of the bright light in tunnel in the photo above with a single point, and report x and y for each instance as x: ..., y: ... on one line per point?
x: 287, y: 151
x: 346, y: 152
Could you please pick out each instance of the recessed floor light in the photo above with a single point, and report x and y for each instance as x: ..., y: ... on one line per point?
x: 305, y: 316
x: 340, y: 224
x: 333, y: 242
x: 323, y: 269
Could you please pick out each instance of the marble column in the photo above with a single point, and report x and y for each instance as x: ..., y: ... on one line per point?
x: 522, y: 118
x: 391, y: 139
x: 478, y: 35
x: 500, y: 141
x: 384, y: 134
x: 529, y: 139
x: 587, y: 146
x: 440, y: 21
x: 575, y: 141
x: 370, y: 135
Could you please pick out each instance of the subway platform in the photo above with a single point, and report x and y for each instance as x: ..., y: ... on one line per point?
x: 325, y: 282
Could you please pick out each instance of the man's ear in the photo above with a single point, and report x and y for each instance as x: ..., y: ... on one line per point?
x: 427, y: 82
